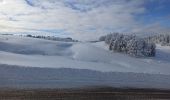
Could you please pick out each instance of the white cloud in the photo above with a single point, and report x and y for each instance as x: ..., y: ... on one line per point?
x: 84, y: 19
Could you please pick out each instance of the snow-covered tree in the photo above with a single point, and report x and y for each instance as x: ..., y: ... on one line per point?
x: 163, y: 39
x: 130, y: 44
x: 102, y: 38
x: 139, y: 47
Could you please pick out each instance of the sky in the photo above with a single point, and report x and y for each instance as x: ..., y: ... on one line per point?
x: 84, y: 19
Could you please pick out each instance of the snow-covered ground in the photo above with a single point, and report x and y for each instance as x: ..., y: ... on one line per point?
x: 31, y: 52
x: 23, y: 51
x: 30, y: 77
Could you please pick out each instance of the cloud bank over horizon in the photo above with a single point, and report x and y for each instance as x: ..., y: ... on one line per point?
x: 84, y: 19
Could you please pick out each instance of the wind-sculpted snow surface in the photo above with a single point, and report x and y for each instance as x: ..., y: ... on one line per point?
x: 32, y: 52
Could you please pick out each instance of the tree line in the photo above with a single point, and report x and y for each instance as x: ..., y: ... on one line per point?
x: 130, y: 44
x: 163, y: 39
x: 68, y: 39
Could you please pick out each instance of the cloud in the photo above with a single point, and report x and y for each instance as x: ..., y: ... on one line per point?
x: 81, y: 19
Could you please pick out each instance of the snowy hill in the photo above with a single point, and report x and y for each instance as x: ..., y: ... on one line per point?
x: 32, y: 52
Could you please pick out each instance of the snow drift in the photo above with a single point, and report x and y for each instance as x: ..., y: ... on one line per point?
x: 29, y: 77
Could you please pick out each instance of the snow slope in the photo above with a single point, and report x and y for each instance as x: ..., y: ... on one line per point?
x: 23, y: 51
x: 31, y: 52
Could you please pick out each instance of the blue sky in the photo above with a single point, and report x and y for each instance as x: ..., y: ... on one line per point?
x: 156, y: 10
x: 84, y: 19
